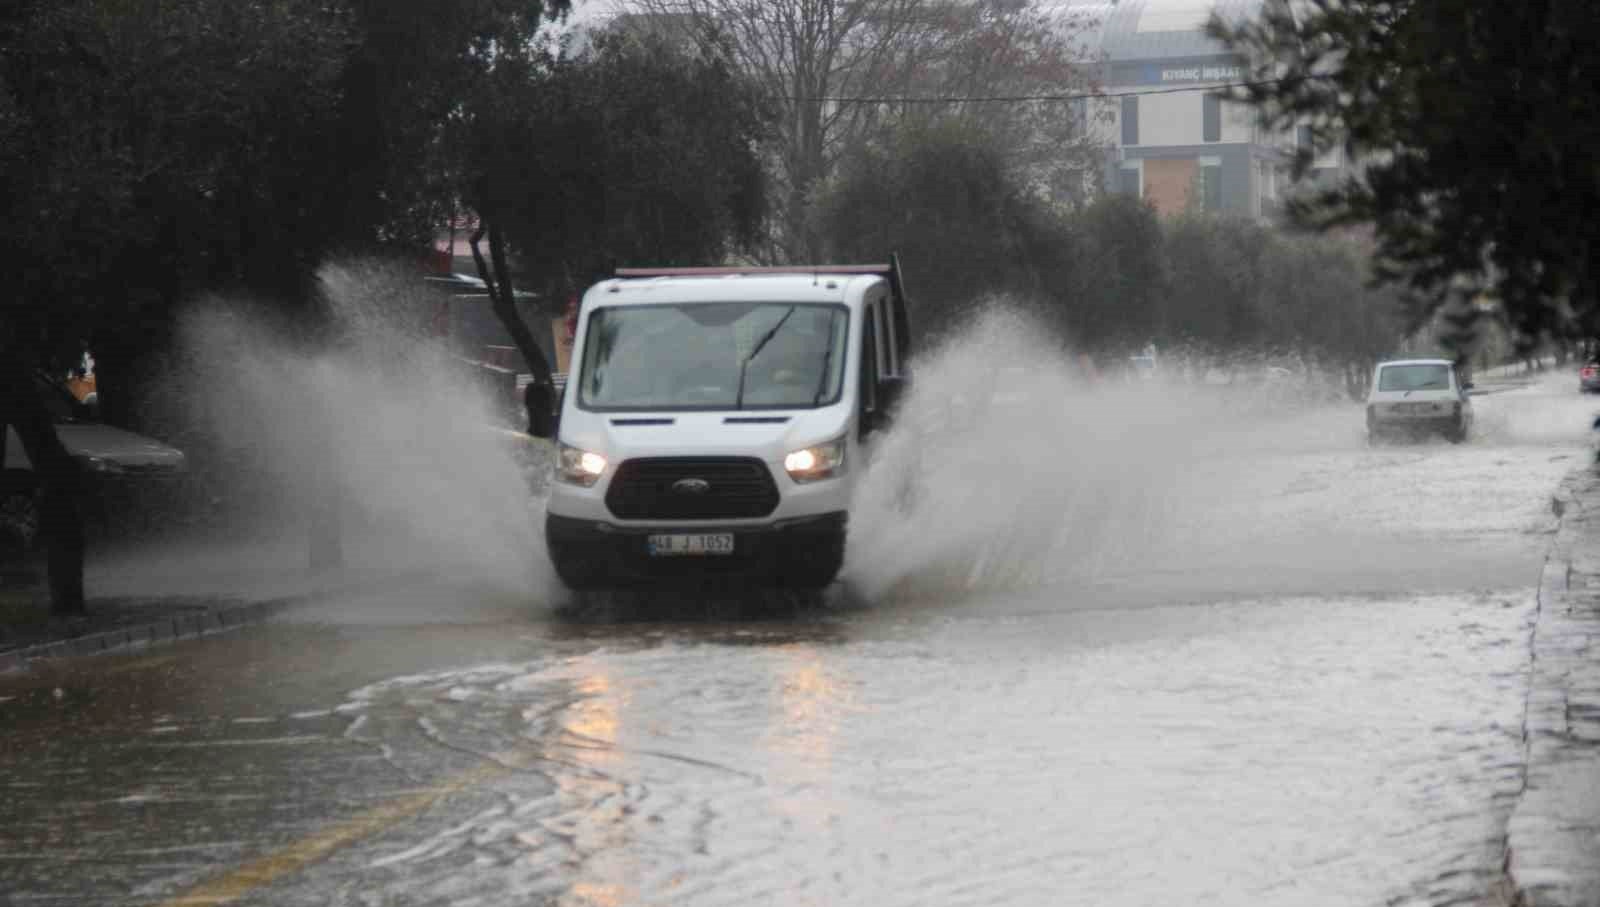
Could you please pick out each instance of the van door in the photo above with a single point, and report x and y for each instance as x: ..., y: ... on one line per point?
x: 867, y: 402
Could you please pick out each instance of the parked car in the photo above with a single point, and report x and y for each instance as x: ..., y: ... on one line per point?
x: 1415, y: 397
x: 1589, y: 377
x: 102, y: 451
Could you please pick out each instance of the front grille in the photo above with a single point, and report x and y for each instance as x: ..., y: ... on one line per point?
x: 735, y: 488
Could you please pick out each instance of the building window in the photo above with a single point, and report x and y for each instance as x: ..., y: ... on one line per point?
x: 1130, y: 120
x: 1303, y: 137
x: 1211, y: 116
x: 1080, y: 116
x: 1129, y: 181
x: 1210, y: 184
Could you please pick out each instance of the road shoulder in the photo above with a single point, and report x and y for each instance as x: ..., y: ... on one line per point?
x: 1553, y: 839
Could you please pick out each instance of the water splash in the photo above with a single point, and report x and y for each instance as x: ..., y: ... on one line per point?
x: 1010, y: 465
x: 428, y: 468
x: 1011, y: 468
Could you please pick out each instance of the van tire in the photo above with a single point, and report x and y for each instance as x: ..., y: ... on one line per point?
x: 575, y: 572
x: 815, y: 564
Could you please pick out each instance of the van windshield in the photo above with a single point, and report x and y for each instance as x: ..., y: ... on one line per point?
x: 714, y: 355
x: 1433, y: 377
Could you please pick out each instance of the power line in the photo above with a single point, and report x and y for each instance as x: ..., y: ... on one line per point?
x: 1024, y: 98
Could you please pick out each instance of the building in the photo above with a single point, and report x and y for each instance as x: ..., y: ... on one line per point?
x: 1169, y: 137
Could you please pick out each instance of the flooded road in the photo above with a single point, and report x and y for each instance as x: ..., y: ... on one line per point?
x: 1269, y: 665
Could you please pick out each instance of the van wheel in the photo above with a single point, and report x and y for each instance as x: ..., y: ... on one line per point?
x: 814, y: 563
x: 576, y: 572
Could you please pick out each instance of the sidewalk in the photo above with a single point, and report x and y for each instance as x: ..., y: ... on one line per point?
x: 151, y: 597
x: 1553, y: 838
x: 29, y: 632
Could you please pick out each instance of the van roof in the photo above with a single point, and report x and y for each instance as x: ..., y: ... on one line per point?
x: 786, y: 286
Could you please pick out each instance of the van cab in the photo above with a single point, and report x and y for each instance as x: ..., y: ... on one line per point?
x: 714, y: 422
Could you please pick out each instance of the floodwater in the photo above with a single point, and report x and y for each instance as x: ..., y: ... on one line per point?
x: 1147, y: 647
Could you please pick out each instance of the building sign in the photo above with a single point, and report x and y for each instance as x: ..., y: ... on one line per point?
x: 1202, y: 74
x: 1178, y: 72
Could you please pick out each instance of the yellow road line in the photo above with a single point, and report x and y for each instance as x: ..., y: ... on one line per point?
x: 233, y: 885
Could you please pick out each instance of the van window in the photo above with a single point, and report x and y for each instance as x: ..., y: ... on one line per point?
x: 891, y: 365
x: 713, y: 356
x: 880, y: 349
x: 869, y: 368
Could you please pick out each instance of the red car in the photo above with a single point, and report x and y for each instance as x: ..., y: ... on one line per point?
x: 1589, y: 377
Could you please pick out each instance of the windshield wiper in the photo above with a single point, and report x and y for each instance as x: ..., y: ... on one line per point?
x: 827, y: 359
x: 738, y: 399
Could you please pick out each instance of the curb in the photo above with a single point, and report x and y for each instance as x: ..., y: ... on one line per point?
x: 188, y: 626
x: 1553, y: 832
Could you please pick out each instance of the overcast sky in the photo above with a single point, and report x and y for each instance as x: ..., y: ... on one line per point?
x: 586, y: 11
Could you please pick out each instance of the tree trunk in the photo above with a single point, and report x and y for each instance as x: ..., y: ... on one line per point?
x: 60, y: 523
x: 539, y: 398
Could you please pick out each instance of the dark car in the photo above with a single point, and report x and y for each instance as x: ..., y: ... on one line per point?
x: 1589, y: 377
x: 103, y: 452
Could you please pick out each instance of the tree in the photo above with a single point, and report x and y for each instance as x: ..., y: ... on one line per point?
x: 1472, y: 124
x: 1215, y: 295
x: 636, y: 151
x: 1115, y: 290
x: 149, y: 146
x: 943, y: 196
x: 805, y: 53
x: 414, y: 64
x: 1318, y: 305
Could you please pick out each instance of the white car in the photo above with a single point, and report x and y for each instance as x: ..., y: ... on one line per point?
x: 1413, y: 397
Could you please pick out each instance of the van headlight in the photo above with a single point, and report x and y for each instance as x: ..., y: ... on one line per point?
x: 817, y: 462
x: 579, y: 467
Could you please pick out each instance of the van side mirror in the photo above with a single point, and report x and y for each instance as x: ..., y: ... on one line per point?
x: 540, y: 403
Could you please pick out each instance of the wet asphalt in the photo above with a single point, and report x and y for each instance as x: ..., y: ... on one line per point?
x: 1304, y: 685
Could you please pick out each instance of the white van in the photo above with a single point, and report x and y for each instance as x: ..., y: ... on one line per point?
x: 713, y: 420
x: 1418, y: 396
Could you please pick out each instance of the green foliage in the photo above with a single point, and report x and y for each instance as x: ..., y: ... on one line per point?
x: 1215, y: 289
x: 1113, y: 284
x: 416, y: 63
x: 1474, y: 124
x: 153, y: 145
x: 802, y: 52
x: 941, y: 194
x: 1109, y: 277
x: 637, y: 152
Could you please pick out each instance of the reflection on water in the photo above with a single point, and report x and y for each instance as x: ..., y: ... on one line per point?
x: 593, y: 804
x: 811, y: 697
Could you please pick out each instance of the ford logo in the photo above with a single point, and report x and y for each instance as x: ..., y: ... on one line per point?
x: 691, y: 486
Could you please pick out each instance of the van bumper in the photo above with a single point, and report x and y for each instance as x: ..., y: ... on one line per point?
x: 799, y: 553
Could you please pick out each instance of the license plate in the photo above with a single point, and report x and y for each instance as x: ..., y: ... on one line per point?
x: 1416, y: 407
x: 706, y: 545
